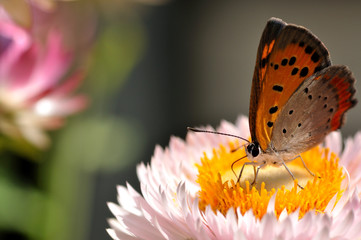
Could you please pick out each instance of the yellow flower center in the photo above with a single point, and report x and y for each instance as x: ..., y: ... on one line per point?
x: 220, y: 190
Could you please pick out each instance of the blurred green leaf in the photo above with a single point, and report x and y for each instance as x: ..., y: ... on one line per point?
x: 21, y: 206
x: 100, y: 143
x: 21, y: 147
x: 118, y: 48
x: 87, y: 145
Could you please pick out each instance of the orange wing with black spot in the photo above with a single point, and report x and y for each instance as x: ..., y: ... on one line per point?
x: 287, y: 55
x: 270, y: 33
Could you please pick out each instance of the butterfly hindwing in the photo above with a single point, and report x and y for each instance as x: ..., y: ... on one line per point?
x: 316, y: 108
x: 295, y: 55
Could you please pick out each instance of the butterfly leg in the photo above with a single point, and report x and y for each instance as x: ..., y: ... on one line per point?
x: 289, y: 171
x: 304, y: 164
x: 233, y: 169
x: 256, y: 173
x: 246, y: 163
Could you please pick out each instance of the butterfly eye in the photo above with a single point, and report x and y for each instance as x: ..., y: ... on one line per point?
x: 250, y: 147
x: 255, y: 152
x: 253, y: 149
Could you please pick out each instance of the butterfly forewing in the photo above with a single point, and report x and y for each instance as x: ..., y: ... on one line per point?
x: 316, y: 108
x: 270, y: 33
x: 295, y: 55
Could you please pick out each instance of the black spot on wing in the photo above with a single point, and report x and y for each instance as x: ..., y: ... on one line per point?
x: 317, y: 69
x: 273, y: 109
x: 292, y: 61
x: 284, y: 62
x: 277, y: 88
x: 315, y: 57
x: 263, y: 62
x: 304, y: 72
x: 294, y: 71
x: 308, y: 49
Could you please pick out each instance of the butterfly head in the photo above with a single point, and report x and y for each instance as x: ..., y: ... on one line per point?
x: 253, y: 150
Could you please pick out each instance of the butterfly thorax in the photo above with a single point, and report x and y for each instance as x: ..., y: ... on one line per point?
x: 268, y: 157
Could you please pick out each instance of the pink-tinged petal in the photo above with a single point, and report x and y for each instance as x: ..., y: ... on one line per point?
x: 287, y: 232
x: 267, y: 227
x: 21, y: 72
x: 160, y: 216
x: 351, y: 153
x: 271, y: 204
x: 351, y: 159
x: 14, y: 42
x: 341, y: 202
x: 50, y: 66
x: 331, y: 204
x: 216, y: 223
x: 334, y: 142
x: 146, y: 231
x: 239, y: 235
x: 61, y: 90
x: 68, y: 86
x: 119, y: 232
x: 126, y: 198
x: 354, y: 233
x: 323, y: 235
x: 243, y: 126
x: 343, y: 225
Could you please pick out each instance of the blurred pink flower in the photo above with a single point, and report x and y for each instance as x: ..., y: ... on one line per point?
x: 35, y: 89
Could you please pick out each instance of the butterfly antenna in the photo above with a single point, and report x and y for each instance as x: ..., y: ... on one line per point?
x: 239, y: 147
x: 214, y: 132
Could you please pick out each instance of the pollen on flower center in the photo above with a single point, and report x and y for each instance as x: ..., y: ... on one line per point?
x: 220, y: 190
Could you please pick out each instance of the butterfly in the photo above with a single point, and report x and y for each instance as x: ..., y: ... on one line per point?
x: 297, y: 96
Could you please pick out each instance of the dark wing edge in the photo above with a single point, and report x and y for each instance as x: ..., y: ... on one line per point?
x: 302, y: 34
